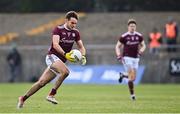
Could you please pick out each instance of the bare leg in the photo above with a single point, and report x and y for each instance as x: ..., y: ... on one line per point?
x: 61, y: 68
x: 46, y: 77
x: 132, y: 76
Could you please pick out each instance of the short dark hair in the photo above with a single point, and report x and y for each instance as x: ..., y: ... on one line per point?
x: 71, y: 14
x: 130, y: 21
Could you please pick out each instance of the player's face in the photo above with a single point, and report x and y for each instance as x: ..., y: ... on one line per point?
x: 132, y: 27
x: 71, y: 23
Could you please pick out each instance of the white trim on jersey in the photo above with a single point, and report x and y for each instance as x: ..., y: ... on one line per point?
x: 128, y: 33
x: 138, y: 33
x: 125, y: 34
x: 60, y: 26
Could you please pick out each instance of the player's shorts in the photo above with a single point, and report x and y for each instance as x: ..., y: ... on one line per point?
x: 51, y: 58
x: 129, y: 63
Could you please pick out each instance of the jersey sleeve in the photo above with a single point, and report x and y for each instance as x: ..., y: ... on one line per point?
x: 141, y: 38
x: 122, y: 40
x: 55, y: 31
x: 77, y: 36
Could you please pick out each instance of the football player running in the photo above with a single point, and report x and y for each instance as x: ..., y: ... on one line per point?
x: 63, y: 38
x: 133, y: 46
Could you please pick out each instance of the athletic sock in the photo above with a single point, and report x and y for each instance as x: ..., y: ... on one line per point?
x: 53, y: 92
x: 25, y: 97
x: 131, y: 87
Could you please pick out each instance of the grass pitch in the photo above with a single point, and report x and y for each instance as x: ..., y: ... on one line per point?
x: 93, y: 99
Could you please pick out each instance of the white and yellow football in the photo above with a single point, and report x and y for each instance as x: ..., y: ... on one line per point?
x: 77, y: 55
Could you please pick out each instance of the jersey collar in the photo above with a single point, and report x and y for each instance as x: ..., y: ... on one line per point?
x: 131, y: 33
x: 65, y: 26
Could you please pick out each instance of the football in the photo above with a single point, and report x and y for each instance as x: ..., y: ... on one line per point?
x: 77, y: 55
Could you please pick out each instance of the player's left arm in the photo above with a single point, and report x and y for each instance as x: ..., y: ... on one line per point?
x: 142, y: 47
x: 82, y: 49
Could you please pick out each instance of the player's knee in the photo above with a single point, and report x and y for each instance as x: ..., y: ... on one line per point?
x: 54, y: 70
x: 132, y: 75
x: 41, y: 83
x: 132, y: 79
x: 65, y: 72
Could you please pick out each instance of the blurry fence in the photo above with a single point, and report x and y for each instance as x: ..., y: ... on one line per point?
x: 33, y: 58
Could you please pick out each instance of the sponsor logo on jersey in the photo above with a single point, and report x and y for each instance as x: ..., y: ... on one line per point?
x: 64, y: 40
x: 132, y: 43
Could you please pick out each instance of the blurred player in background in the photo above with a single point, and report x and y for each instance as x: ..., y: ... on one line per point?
x: 133, y: 46
x: 63, y: 38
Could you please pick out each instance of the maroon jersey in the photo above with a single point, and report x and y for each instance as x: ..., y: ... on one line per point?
x: 67, y: 38
x: 131, y: 43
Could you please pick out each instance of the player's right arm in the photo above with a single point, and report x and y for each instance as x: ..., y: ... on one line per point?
x: 142, y: 47
x: 56, y: 46
x: 118, y: 51
x: 118, y: 48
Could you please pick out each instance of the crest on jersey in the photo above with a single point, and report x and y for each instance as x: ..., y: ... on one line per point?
x: 73, y: 34
x: 132, y: 38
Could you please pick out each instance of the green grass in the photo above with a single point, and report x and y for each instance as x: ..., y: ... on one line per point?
x: 93, y: 99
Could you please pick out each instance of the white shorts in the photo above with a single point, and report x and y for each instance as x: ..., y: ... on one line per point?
x: 51, y: 59
x: 129, y: 63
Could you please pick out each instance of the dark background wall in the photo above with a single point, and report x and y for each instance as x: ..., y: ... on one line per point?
x: 24, y: 6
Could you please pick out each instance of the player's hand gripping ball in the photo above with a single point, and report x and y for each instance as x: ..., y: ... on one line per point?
x: 74, y: 56
x: 83, y: 60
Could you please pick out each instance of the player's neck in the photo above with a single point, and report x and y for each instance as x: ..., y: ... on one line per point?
x: 66, y: 27
x: 131, y: 32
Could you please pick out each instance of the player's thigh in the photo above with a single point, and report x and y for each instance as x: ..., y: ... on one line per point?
x: 59, y: 67
x: 47, y: 76
x: 127, y: 64
x: 135, y: 66
x: 132, y: 74
x: 55, y: 64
